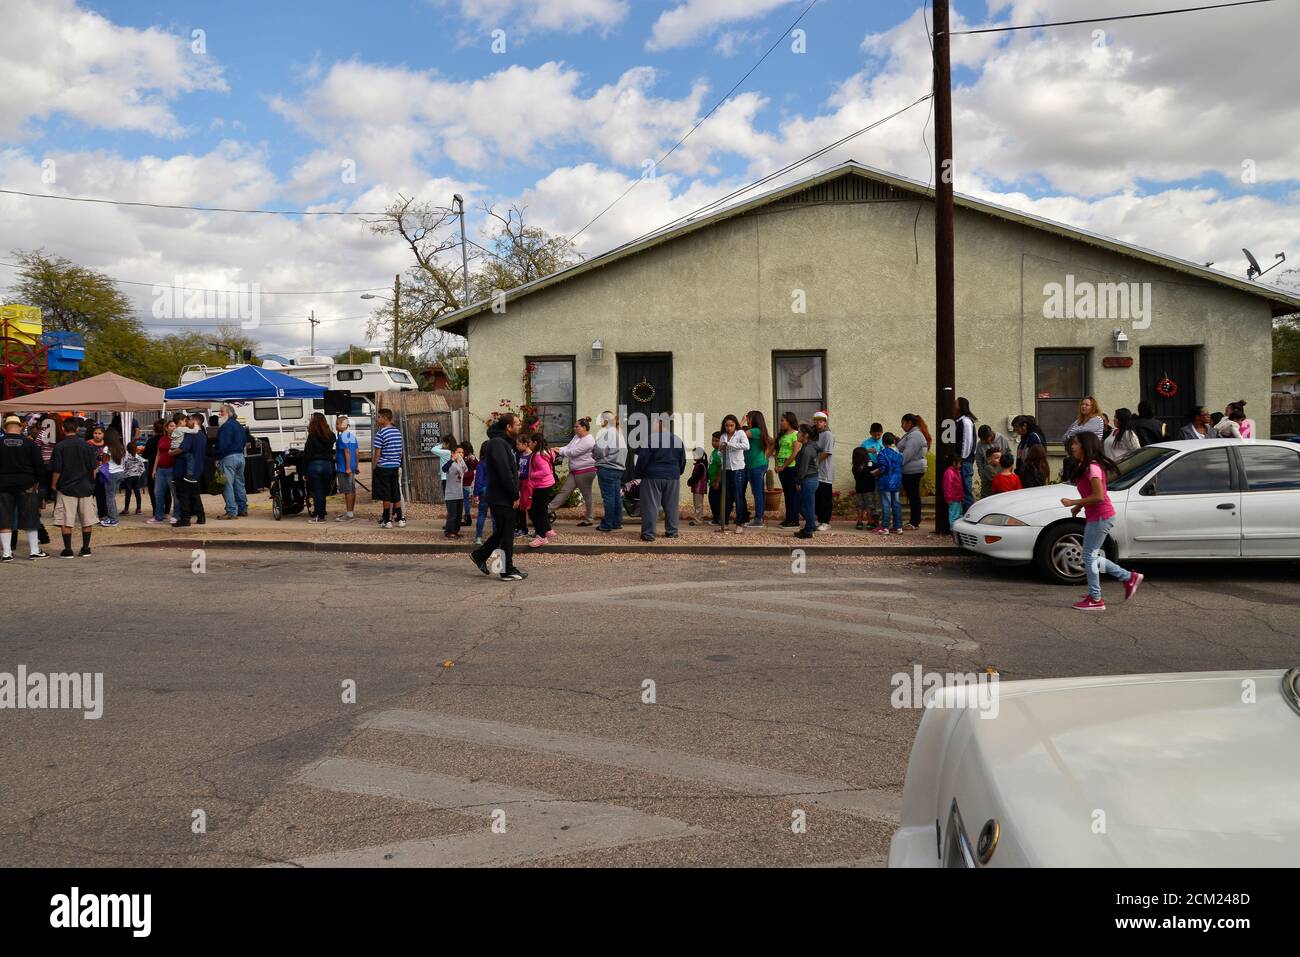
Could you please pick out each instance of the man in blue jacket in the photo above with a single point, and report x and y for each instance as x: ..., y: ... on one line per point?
x: 232, y: 437
x: 194, y: 452
x: 659, y: 466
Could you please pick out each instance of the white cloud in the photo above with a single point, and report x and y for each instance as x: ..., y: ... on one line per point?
x: 524, y: 16
x: 61, y: 60
x: 396, y: 122
x: 692, y: 19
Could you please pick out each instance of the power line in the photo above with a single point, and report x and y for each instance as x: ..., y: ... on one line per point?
x: 1127, y: 16
x: 237, y: 292
x: 714, y: 109
x: 785, y: 169
x: 199, y: 209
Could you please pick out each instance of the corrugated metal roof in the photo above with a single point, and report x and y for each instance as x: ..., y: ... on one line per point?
x: 853, y: 182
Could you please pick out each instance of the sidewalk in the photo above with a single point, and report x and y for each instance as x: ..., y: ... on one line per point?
x: 423, y: 534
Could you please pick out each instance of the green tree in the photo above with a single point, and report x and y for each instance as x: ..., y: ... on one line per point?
x: 73, y: 298
x: 1286, y: 329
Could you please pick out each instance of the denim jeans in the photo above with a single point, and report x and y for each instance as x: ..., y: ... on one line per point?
x: 808, y: 504
x: 891, y: 509
x: 233, y: 491
x: 482, y: 517
x: 967, y: 485
x: 756, y: 476
x: 319, y: 473
x: 110, y: 494
x: 163, y: 496
x: 1094, y: 556
x: 611, y: 497
x: 735, y: 496
x: 467, y: 497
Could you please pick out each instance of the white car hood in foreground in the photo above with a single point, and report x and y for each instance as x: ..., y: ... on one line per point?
x: 1025, y: 502
x: 1150, y: 770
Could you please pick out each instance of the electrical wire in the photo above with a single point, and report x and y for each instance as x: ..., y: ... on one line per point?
x: 1126, y: 16
x: 199, y: 209
x: 725, y: 97
x: 237, y: 292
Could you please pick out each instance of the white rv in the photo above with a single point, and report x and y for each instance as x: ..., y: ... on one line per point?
x: 283, y: 422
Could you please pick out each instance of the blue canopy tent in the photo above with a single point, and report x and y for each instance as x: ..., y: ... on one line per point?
x: 244, y: 384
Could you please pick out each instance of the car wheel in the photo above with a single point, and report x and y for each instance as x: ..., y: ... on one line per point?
x: 1059, y: 554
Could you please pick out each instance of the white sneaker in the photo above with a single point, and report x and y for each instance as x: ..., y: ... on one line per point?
x: 400, y: 523
x: 823, y: 527
x: 479, y: 540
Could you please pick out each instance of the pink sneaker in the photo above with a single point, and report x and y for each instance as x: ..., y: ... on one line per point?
x: 537, y: 542
x: 152, y: 521
x: 1088, y: 603
x: 550, y: 534
x: 1131, y: 586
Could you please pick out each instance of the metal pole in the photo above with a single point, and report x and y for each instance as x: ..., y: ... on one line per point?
x: 314, y: 322
x: 464, y: 251
x: 397, y: 312
x: 945, y: 371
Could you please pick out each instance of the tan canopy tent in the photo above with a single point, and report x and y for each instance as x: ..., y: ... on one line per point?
x: 106, y: 392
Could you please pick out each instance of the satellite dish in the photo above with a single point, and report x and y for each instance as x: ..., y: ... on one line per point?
x: 1253, y: 269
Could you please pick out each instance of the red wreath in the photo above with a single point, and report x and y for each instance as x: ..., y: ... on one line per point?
x: 1167, y: 388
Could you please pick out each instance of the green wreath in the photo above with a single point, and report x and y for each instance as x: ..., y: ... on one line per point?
x: 638, y: 392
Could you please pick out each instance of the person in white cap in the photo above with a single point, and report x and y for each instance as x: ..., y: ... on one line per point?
x: 825, y: 469
x: 21, y: 468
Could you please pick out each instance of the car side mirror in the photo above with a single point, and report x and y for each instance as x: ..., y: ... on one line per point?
x: 1148, y: 489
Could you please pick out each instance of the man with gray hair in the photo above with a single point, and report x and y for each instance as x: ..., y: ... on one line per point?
x: 610, y: 453
x: 232, y: 438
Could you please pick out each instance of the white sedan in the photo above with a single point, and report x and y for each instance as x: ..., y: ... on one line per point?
x: 1221, y: 499
x: 1173, y: 770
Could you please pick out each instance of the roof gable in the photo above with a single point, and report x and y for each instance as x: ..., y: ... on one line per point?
x: 852, y: 182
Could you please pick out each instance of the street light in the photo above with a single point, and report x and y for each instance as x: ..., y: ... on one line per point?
x: 396, y: 301
x: 459, y: 201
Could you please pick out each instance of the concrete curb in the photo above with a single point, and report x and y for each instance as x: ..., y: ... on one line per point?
x: 438, y: 548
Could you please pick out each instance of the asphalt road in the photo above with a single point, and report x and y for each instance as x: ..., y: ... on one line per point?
x: 503, y: 723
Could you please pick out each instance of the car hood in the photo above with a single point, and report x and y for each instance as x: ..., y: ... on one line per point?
x: 1025, y: 502
x: 1152, y: 770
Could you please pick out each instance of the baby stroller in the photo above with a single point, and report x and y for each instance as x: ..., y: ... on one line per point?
x: 632, y: 497
x: 288, y: 487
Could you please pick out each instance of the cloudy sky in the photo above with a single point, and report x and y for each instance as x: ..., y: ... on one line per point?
x: 1178, y: 133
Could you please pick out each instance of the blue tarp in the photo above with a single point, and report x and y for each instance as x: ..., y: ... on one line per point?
x: 246, y: 382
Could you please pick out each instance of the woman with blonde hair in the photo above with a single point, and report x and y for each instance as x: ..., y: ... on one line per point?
x: 1089, y: 420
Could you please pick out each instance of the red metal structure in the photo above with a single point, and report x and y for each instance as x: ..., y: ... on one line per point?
x: 24, y: 365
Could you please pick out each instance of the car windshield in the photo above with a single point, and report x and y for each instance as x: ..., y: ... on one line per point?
x: 1139, y: 465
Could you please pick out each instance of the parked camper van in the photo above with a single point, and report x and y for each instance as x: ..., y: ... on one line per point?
x: 283, y: 422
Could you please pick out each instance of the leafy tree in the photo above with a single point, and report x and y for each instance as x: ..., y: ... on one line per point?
x: 1286, y: 329
x: 71, y: 297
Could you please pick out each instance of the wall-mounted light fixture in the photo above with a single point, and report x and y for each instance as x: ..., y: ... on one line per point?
x: 1121, y: 341
x: 597, y: 350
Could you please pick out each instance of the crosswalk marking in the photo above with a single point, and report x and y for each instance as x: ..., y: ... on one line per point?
x: 686, y: 598
x: 833, y: 795
x: 537, y: 824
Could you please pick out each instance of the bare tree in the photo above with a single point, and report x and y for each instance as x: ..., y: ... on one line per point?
x: 516, y: 254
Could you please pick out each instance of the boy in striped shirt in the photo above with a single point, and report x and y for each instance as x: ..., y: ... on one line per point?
x: 387, y: 457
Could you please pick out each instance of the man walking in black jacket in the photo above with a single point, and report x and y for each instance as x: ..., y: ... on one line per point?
x: 501, y: 464
x: 21, y: 468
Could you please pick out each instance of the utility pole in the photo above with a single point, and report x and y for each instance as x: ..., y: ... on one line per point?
x: 314, y: 323
x: 464, y: 250
x: 397, y: 312
x: 945, y: 360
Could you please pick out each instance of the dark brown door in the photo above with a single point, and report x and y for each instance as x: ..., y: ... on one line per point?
x: 1178, y: 365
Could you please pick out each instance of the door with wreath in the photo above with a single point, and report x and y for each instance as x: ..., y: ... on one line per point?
x: 1169, y: 383
x: 645, y: 385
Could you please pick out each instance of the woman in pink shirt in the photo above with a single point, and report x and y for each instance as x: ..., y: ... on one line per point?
x: 1090, y: 472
